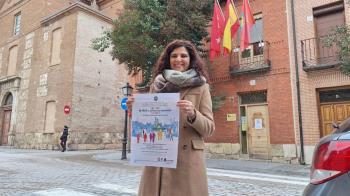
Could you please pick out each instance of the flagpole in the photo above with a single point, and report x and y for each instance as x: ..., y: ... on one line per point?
x: 222, y: 13
x: 232, y: 48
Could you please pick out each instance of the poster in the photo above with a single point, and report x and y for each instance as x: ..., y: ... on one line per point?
x: 244, y: 123
x: 258, y: 123
x: 155, y: 130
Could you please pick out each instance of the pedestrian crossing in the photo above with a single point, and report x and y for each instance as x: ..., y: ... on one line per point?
x: 117, y: 188
x: 60, y: 192
x: 259, y: 176
x: 123, y: 189
x: 102, y: 189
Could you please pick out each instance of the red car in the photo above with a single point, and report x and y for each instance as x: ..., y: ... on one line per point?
x: 330, y: 171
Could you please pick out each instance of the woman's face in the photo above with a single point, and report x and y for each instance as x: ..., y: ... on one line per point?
x: 179, y: 59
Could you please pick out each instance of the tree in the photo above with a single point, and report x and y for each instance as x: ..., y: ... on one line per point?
x: 146, y: 26
x: 341, y: 38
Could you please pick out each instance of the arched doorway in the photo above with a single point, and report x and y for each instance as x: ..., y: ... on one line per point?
x: 6, y: 120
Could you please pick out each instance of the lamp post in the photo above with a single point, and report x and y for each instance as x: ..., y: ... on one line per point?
x: 127, y: 91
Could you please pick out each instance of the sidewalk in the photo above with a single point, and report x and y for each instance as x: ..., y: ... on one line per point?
x: 257, y: 166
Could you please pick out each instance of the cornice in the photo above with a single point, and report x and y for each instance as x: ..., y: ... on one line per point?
x: 73, y: 7
x: 14, y: 6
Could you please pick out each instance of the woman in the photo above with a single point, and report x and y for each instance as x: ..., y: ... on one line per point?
x: 180, y: 69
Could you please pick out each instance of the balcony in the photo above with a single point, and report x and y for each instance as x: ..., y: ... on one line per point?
x: 255, y: 59
x: 316, y: 56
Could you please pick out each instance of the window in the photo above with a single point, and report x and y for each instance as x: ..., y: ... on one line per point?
x: 254, y: 97
x: 256, y: 34
x: 12, y: 63
x: 50, y: 117
x: 327, y: 18
x: 335, y: 95
x: 8, y: 100
x: 255, y: 51
x: 17, y: 24
x: 56, y: 46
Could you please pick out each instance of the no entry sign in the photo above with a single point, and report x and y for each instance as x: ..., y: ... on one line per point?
x: 66, y: 109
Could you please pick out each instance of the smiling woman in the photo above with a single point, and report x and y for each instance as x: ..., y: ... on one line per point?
x: 180, y: 69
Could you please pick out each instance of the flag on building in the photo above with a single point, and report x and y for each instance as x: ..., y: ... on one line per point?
x: 231, y: 28
x: 246, y: 25
x: 217, y: 28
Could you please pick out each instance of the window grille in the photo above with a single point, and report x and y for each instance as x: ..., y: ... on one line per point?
x: 254, y: 97
x: 335, y: 95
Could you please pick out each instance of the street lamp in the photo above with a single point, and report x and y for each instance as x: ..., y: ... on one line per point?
x: 127, y: 91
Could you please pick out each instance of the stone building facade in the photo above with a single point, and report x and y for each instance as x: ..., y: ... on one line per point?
x: 324, y: 89
x: 46, y: 64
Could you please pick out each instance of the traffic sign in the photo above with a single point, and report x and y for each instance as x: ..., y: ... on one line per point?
x: 66, y: 109
x: 123, y: 103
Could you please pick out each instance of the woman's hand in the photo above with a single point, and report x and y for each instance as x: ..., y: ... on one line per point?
x: 187, y: 107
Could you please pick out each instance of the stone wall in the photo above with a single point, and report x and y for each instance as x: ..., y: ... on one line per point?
x: 97, y: 120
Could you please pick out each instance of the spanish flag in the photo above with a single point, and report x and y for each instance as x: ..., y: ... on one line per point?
x: 231, y: 28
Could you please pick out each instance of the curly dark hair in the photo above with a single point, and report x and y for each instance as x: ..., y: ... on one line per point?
x: 196, y: 61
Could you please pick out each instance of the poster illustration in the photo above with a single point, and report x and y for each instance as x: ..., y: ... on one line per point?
x: 155, y: 130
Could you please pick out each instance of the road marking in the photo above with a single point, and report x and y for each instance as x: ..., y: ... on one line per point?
x: 118, y: 188
x: 60, y: 192
x: 259, y: 176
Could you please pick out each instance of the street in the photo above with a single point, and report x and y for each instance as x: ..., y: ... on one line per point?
x: 91, y: 173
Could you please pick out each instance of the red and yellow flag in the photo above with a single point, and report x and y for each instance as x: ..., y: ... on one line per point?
x: 246, y: 25
x: 232, y: 25
x: 217, y: 28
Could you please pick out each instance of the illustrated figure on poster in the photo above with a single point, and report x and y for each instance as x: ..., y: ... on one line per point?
x: 170, y: 134
x: 138, y: 137
x: 144, y: 136
x: 153, y: 136
x: 180, y: 69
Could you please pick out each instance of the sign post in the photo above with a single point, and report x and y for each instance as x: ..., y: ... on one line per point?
x: 124, y: 107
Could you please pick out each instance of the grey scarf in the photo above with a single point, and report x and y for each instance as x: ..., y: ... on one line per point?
x: 174, y: 81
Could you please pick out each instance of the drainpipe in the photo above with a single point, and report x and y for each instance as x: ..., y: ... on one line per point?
x: 302, y: 157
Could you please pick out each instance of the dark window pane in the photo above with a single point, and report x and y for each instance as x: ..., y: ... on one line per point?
x: 258, y: 48
x: 254, y: 97
x: 246, y: 53
x: 335, y: 95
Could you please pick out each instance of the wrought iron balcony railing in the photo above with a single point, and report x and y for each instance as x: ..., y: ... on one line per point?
x: 316, y: 55
x: 254, y: 59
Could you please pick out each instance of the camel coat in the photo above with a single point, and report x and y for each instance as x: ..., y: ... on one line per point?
x: 190, y: 177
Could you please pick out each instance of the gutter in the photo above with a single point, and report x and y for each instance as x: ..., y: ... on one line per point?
x: 301, y: 134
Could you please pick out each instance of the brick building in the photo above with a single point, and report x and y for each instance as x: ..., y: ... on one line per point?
x: 46, y: 63
x: 324, y: 89
x: 256, y: 118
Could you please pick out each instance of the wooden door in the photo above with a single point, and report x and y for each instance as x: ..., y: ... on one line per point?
x: 258, y: 132
x: 333, y: 112
x: 5, y: 126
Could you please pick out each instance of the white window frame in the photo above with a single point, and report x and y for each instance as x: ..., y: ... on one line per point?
x: 17, y: 24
